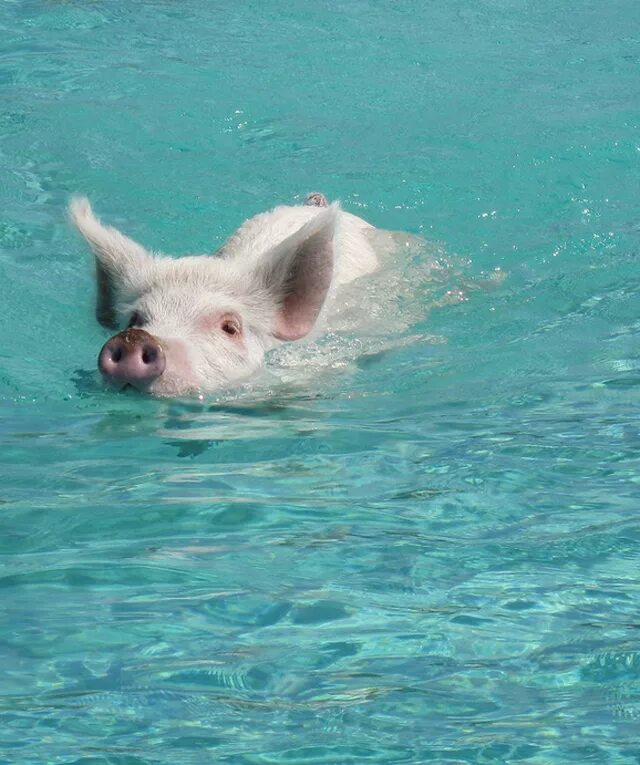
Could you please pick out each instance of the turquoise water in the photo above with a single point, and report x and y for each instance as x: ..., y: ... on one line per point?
x: 429, y: 555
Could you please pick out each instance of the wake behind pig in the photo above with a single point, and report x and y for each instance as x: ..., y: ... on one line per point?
x: 202, y: 323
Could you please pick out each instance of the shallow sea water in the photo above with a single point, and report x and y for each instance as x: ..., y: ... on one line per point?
x: 430, y: 552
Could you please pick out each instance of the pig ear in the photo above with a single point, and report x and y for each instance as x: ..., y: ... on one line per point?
x: 298, y: 272
x: 120, y: 262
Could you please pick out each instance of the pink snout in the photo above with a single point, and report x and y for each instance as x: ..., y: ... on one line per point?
x: 133, y: 357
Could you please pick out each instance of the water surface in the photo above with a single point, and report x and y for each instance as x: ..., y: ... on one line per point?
x: 429, y: 552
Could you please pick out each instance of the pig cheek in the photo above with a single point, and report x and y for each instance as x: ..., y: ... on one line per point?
x: 239, y: 356
x: 179, y: 368
x: 207, y: 325
x: 254, y: 353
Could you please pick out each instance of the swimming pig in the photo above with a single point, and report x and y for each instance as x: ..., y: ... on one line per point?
x: 200, y: 323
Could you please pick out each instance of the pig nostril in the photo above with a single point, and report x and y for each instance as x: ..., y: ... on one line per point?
x: 149, y: 354
x: 132, y: 357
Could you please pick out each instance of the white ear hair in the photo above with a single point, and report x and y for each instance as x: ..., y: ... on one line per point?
x: 120, y: 262
x: 114, y: 250
x: 298, y: 272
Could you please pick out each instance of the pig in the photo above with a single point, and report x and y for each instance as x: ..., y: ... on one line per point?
x: 198, y: 324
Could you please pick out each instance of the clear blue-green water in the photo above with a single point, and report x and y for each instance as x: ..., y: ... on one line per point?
x: 431, y: 556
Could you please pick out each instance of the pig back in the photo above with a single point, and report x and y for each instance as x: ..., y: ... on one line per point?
x: 354, y: 254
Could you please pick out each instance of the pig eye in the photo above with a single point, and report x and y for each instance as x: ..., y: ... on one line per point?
x: 230, y: 325
x: 136, y: 320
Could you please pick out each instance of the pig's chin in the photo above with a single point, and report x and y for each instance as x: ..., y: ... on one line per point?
x: 178, y: 379
x: 172, y: 388
x: 169, y: 385
x: 165, y: 386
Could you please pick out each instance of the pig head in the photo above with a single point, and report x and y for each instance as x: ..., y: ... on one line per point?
x: 200, y: 323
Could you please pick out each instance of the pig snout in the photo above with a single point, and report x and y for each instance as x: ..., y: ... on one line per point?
x: 132, y: 357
